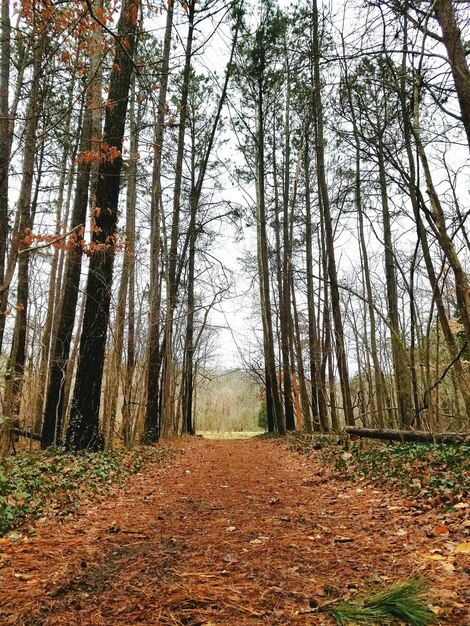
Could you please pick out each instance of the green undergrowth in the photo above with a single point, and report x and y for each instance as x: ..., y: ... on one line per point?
x: 430, y: 471
x: 34, y: 484
x: 405, y: 602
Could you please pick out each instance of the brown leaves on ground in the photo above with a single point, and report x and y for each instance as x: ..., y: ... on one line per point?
x: 230, y: 532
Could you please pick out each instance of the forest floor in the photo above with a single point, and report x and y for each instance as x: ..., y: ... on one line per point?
x: 231, y: 532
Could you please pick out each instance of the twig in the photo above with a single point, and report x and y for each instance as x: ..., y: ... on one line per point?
x: 46, y: 244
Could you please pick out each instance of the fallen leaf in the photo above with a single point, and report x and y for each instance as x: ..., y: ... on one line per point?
x: 463, y: 548
x: 437, y: 610
x: 448, y: 567
x: 230, y: 558
x: 435, y: 557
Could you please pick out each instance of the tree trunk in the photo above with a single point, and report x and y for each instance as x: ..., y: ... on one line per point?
x: 263, y: 265
x: 16, y: 361
x: 409, y: 435
x: 297, y: 345
x: 285, y: 304
x: 5, y: 132
x: 83, y: 429
x: 456, y: 54
x: 54, y: 277
x: 22, y: 63
x: 330, y: 245
x: 54, y: 403
x: 401, y: 367
x: 152, y: 416
x: 168, y: 405
x: 116, y: 357
x: 445, y: 240
x: 319, y: 408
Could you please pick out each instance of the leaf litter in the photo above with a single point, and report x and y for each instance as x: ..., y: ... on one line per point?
x: 158, y: 550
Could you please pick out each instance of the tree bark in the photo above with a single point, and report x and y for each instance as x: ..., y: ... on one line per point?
x: 152, y: 413
x: 16, y: 361
x: 409, y: 435
x: 325, y: 207
x: 263, y: 265
x: 456, y: 54
x: 83, y: 429
x: 168, y: 395
x: 318, y: 391
x: 285, y: 304
x: 5, y: 130
x: 400, y: 359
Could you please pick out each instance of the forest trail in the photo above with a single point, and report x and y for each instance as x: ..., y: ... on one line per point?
x: 228, y: 532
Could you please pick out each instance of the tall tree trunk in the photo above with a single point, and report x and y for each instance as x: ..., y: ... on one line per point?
x: 263, y: 265
x: 285, y: 303
x: 168, y: 405
x: 83, y: 429
x: 152, y: 417
x: 327, y: 346
x: 16, y: 361
x: 54, y: 277
x: 401, y: 367
x: 188, y: 371
x: 9, y: 266
x: 116, y: 357
x: 319, y: 408
x: 5, y: 132
x: 54, y: 404
x: 341, y: 357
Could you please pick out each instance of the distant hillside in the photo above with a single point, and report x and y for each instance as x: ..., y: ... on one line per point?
x: 226, y: 401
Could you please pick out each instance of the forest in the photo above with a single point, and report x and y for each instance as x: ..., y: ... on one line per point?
x: 135, y: 137
x: 234, y: 215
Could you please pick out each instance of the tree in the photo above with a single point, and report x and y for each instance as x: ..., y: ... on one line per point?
x: 83, y: 430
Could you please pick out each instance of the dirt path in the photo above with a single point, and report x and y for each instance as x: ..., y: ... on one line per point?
x: 229, y: 532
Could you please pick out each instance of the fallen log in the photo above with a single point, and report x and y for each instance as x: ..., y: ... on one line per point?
x: 409, y: 435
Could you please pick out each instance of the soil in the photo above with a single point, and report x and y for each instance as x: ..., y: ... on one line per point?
x: 228, y: 532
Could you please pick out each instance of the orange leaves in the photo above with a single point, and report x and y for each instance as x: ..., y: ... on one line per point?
x: 65, y: 57
x: 104, y: 152
x: 75, y: 239
x: 134, y: 12
x: 27, y: 238
x: 30, y: 238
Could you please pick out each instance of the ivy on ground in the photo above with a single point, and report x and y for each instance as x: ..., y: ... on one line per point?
x: 430, y: 471
x: 33, y: 484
